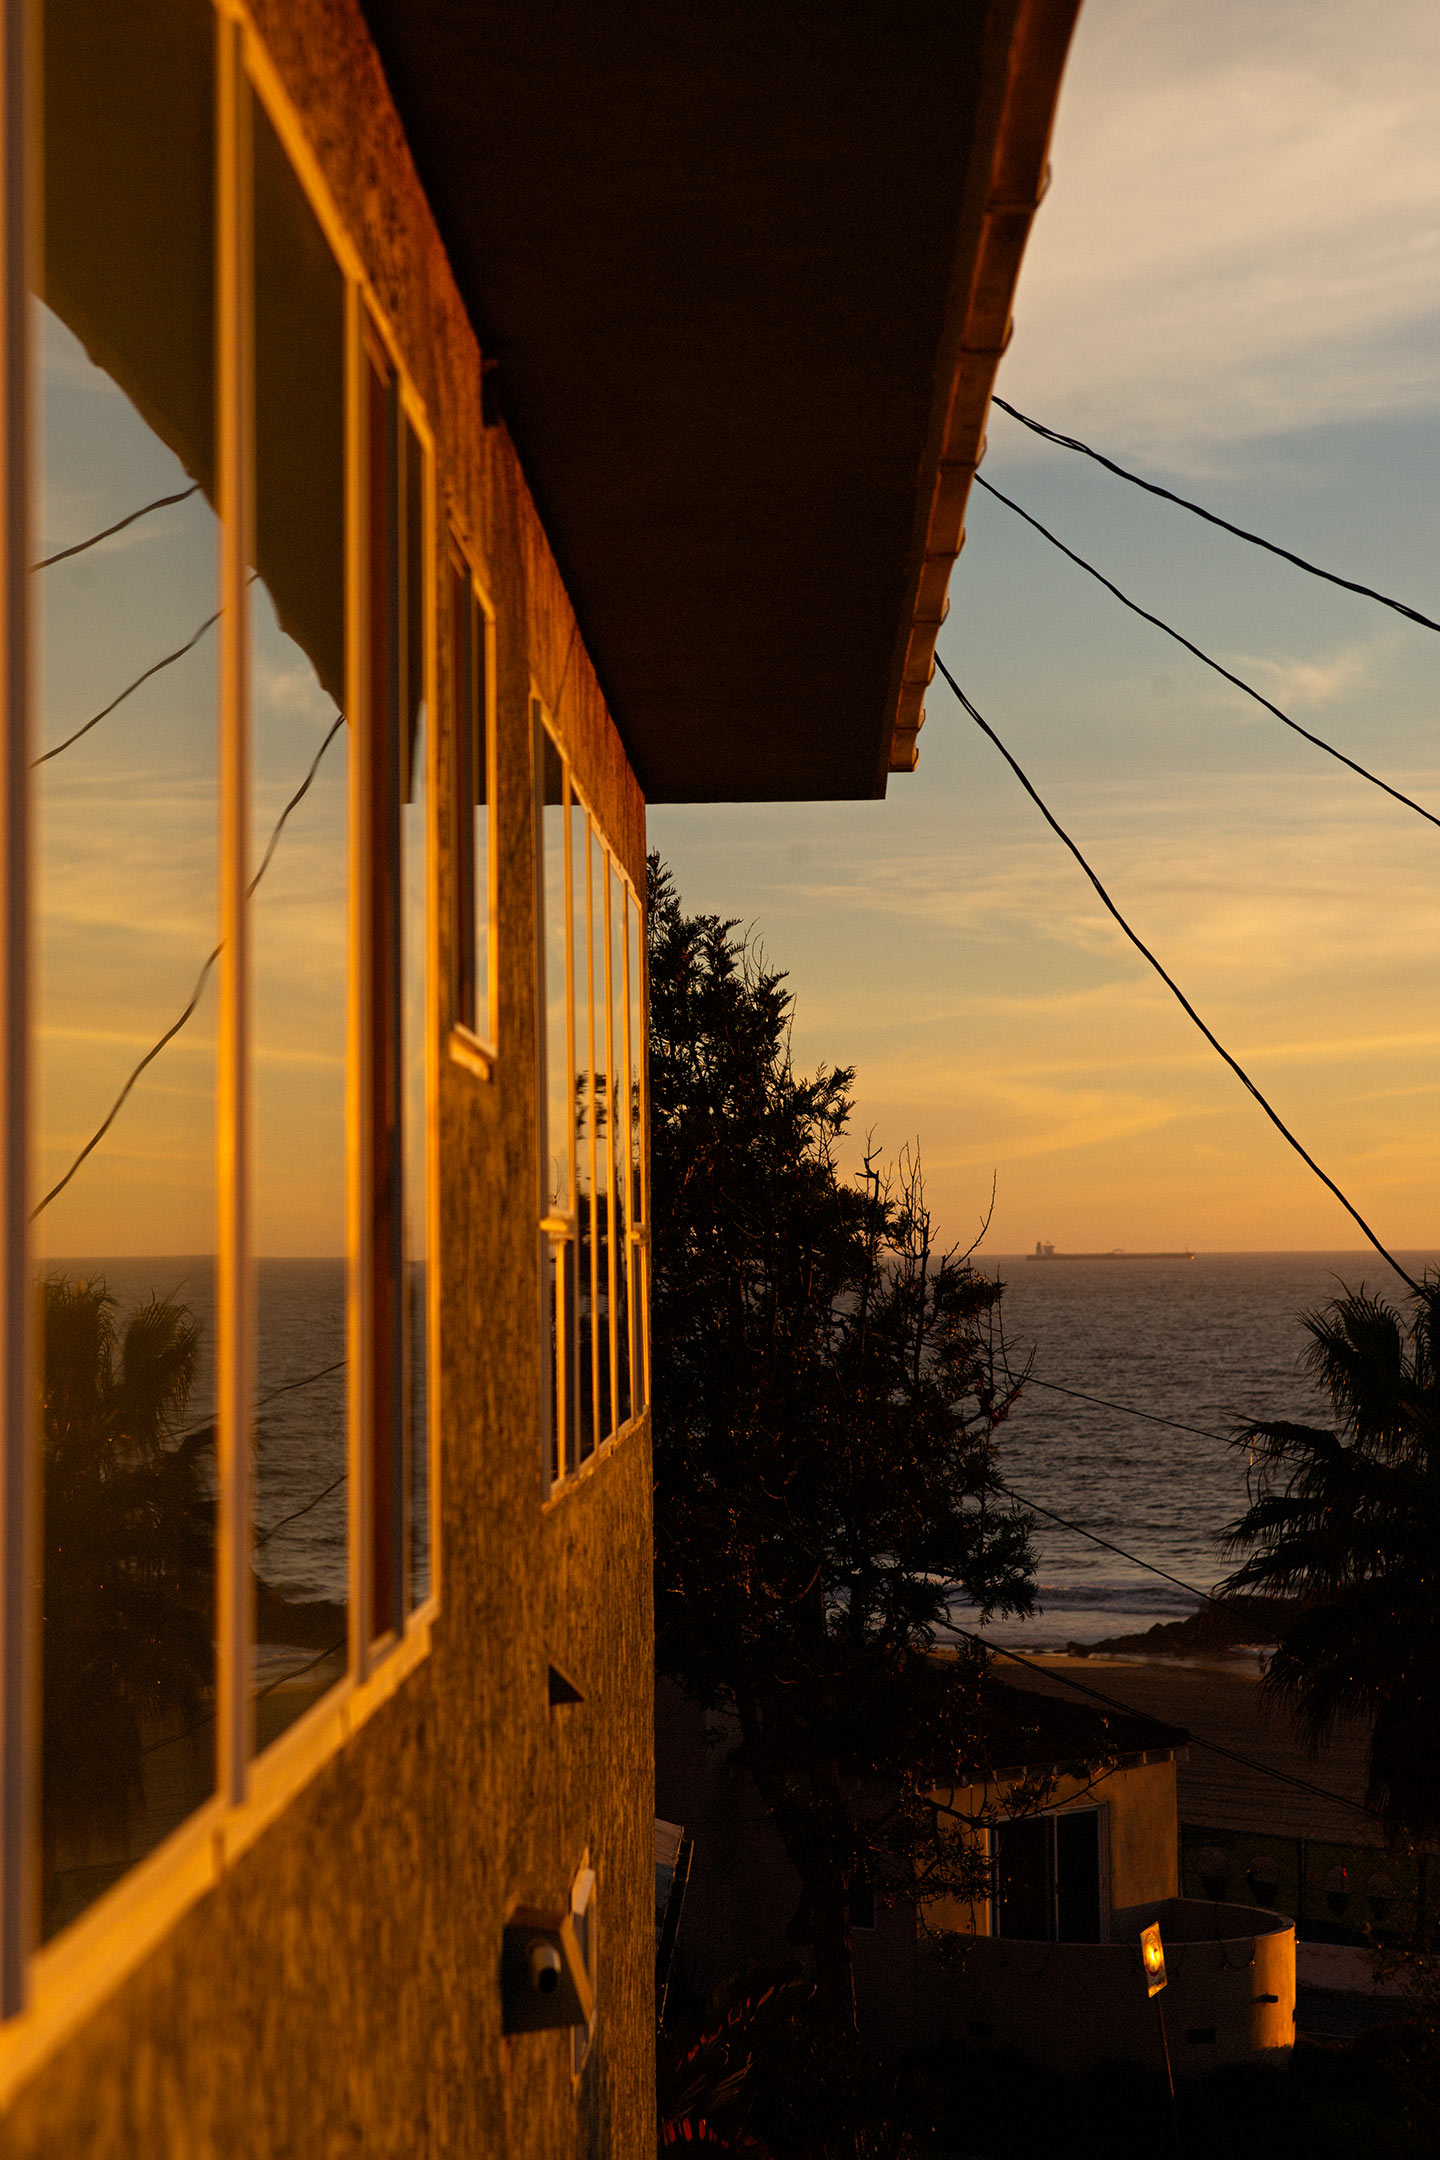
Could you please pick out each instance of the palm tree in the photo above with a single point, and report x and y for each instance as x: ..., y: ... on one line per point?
x: 1348, y: 1522
x: 129, y: 1570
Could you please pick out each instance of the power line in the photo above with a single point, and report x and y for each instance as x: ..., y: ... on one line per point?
x: 1240, y: 532
x: 1125, y: 1409
x: 129, y: 690
x: 1206, y: 1597
x: 1141, y: 947
x: 161, y: 502
x: 174, y: 1029
x: 265, y: 1536
x: 1230, y: 677
x: 1211, y: 1747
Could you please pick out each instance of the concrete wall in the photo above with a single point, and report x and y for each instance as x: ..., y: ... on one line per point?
x: 337, y: 1992
x: 1229, y: 1998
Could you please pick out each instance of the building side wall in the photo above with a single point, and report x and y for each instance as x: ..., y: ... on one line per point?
x: 1141, y: 1852
x: 337, y: 1992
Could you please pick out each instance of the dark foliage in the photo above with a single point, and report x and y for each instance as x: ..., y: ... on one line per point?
x: 1348, y: 1522
x: 825, y: 1404
x: 129, y: 1566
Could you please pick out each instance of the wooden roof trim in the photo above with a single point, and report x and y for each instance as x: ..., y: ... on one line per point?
x: 1018, y: 177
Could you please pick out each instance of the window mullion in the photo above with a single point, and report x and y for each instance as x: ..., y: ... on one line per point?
x: 235, y: 1314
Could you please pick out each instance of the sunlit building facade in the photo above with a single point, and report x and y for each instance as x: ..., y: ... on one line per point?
x: 325, y: 1758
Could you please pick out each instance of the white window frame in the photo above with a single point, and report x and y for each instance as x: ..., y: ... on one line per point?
x: 560, y: 1231
x: 474, y: 1048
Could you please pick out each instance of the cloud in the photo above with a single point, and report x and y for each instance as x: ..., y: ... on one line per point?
x: 1312, y: 682
x: 1243, y: 235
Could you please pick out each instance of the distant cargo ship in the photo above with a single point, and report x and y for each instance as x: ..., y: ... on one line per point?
x: 1116, y: 1252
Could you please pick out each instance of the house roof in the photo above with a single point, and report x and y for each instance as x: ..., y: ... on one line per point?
x: 744, y: 273
x: 1022, y: 1730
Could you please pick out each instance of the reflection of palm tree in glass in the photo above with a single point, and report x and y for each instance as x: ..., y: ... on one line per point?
x: 129, y: 1571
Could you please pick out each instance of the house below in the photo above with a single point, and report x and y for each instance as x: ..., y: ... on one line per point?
x: 1074, y: 1810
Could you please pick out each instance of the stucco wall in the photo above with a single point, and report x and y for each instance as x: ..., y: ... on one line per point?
x: 1141, y: 1845
x: 338, y: 1992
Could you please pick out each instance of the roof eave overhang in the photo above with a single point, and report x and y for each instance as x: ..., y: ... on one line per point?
x: 1009, y: 176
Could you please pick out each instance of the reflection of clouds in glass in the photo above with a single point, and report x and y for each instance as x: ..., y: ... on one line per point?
x: 291, y: 690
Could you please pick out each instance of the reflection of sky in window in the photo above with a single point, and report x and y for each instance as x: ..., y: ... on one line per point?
x: 126, y: 893
x: 300, y: 931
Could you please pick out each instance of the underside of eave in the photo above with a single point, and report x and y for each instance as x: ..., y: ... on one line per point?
x: 1010, y: 185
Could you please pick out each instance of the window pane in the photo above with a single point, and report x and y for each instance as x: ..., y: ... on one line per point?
x: 1024, y: 1882
x: 414, y: 900
x: 635, y: 1086
x: 619, y: 1149
x: 556, y: 1135
x: 300, y: 939
x: 584, y: 1061
x: 1077, y: 1876
x: 126, y: 886
x: 479, y: 797
x: 558, y: 1185
x: 600, y: 1097
x: 469, y: 648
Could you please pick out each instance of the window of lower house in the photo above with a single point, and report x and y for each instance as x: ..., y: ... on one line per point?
x: 218, y: 1191
x: 593, y: 1200
x: 472, y: 690
x: 1047, y: 1877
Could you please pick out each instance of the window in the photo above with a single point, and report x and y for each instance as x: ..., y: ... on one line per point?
x: 593, y: 1212
x: 127, y: 925
x: 1047, y: 1877
x: 472, y: 692
x: 232, y: 813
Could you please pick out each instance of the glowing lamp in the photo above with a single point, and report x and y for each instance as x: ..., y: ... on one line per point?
x: 1152, y: 1954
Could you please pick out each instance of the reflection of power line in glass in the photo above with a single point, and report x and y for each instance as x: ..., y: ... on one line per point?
x: 161, y: 502
x: 174, y: 1029
x: 129, y: 690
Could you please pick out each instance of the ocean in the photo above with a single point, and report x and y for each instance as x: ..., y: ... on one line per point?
x: 1211, y: 1342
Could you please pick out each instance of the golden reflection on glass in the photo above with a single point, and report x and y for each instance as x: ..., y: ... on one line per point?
x: 414, y: 1010
x: 126, y: 885
x: 300, y: 941
x: 635, y: 1096
x: 583, y: 1067
x: 557, y: 1140
x: 617, y: 1144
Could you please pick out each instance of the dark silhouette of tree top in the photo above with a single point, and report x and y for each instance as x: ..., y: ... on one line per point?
x: 824, y: 1409
x: 129, y: 1561
x: 1348, y: 1521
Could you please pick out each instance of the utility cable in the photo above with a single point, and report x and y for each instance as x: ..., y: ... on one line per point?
x: 161, y: 502
x: 1151, y: 487
x: 1206, y: 1597
x: 129, y: 691
x: 1210, y: 1747
x: 195, y: 996
x: 1125, y: 1409
x: 1204, y: 657
x: 1141, y: 947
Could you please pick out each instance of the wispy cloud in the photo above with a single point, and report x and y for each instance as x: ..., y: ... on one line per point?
x: 1249, y: 241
